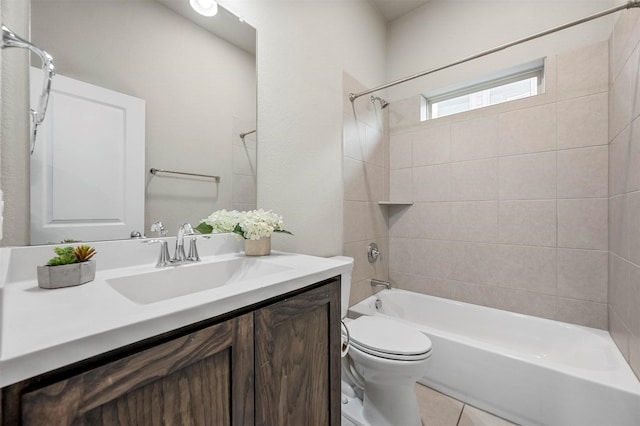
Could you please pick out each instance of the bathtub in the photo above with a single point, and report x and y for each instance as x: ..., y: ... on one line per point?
x: 528, y: 370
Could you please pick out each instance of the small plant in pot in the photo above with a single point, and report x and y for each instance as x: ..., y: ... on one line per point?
x: 72, y: 266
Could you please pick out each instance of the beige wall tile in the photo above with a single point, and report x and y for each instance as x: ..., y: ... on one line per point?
x: 634, y: 65
x: 400, y: 254
x: 474, y: 139
x: 528, y: 222
x: 400, y: 185
x: 583, y: 71
x: 528, y: 303
x: 474, y: 221
x: 432, y: 183
x: 620, y: 102
x: 432, y: 145
x: 363, y: 112
x: 589, y: 314
x: 619, y: 333
x: 583, y: 121
x: 362, y: 269
x: 633, y: 160
x: 583, y: 173
x: 374, y: 181
x: 634, y: 300
x: 380, y: 268
x: 432, y: 220
x: 425, y: 285
x: 527, y: 177
x: 582, y: 223
x: 404, y: 113
x: 374, y: 146
x: 400, y: 151
x: 431, y: 258
x: 474, y: 293
x: 475, y: 262
x: 401, y: 221
x: 355, y: 188
x: 355, y: 250
x: 528, y: 268
x: 360, y: 290
x: 634, y: 352
x: 634, y: 227
x: 527, y: 130
x: 474, y: 180
x: 353, y: 138
x: 619, y: 153
x: 621, y: 40
x: 619, y: 226
x: 620, y: 287
x: 376, y: 218
x: 582, y: 274
x: 354, y: 223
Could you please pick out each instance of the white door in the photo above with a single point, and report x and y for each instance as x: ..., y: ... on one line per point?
x: 87, y: 169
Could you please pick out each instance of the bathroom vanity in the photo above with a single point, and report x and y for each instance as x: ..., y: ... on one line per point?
x: 271, y: 356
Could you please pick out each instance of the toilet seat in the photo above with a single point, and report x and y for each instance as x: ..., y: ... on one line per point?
x: 388, y: 339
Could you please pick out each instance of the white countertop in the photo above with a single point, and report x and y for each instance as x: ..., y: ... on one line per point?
x: 42, y: 330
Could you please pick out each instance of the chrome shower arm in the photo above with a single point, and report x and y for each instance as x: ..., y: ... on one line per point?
x: 9, y: 39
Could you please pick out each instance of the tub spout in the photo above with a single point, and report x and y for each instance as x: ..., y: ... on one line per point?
x: 380, y: 283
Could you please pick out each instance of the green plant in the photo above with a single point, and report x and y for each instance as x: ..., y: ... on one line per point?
x: 69, y: 255
x: 84, y: 253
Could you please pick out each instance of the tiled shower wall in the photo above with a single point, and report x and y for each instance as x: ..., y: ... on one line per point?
x: 366, y: 182
x: 510, y: 201
x: 624, y: 187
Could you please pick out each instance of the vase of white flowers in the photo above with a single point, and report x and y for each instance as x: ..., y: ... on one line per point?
x: 255, y: 227
x: 259, y: 247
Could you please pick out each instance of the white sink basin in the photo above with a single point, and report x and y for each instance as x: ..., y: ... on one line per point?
x: 171, y: 282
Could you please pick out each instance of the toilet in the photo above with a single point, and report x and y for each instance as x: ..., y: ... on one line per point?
x: 383, y: 361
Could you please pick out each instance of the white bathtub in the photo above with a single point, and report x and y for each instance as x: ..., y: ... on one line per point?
x: 529, y: 370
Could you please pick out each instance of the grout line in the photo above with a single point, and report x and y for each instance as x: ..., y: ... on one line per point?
x: 460, y: 415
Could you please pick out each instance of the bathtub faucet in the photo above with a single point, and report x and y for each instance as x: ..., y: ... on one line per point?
x: 380, y: 283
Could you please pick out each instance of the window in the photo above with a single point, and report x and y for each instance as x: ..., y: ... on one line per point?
x: 513, y: 86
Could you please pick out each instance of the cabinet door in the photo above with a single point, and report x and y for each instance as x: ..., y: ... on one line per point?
x: 297, y: 366
x: 204, y: 378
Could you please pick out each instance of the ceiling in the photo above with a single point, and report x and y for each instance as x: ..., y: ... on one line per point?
x: 392, y: 9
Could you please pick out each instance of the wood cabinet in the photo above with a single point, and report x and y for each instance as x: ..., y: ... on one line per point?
x: 275, y: 363
x: 297, y: 358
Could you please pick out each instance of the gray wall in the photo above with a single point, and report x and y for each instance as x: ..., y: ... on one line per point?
x: 14, y: 133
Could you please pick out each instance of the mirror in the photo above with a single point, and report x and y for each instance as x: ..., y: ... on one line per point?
x: 197, y: 79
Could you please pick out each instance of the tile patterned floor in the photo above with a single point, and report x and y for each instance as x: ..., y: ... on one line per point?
x: 437, y: 409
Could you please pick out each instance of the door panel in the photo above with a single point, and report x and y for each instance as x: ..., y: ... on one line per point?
x: 87, y: 169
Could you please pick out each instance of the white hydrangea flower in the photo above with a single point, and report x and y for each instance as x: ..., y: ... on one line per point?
x: 253, y: 224
x: 223, y: 221
x: 256, y: 224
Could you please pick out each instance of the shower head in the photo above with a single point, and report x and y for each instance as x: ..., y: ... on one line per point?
x: 383, y: 103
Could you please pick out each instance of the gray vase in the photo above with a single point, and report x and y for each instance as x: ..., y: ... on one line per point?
x: 66, y: 275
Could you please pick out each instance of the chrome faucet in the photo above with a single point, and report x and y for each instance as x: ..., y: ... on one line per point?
x: 380, y: 283
x: 179, y: 256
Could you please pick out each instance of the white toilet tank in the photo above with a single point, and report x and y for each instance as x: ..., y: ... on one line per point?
x: 345, y: 289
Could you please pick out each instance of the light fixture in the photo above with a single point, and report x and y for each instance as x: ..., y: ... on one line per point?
x: 204, y: 7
